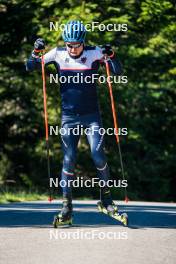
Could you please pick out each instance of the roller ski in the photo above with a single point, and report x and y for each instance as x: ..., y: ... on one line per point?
x: 107, y: 206
x: 64, y: 218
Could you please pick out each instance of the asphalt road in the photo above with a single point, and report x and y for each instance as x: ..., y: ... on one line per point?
x: 27, y: 236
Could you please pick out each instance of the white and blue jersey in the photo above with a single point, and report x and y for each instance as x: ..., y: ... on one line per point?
x: 78, y: 98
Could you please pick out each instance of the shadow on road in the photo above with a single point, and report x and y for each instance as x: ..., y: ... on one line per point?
x: 40, y: 215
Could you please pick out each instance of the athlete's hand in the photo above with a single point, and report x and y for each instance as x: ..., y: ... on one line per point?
x: 107, y: 50
x: 39, y: 45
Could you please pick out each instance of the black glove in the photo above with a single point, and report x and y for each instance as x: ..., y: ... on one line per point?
x: 39, y: 44
x: 107, y: 49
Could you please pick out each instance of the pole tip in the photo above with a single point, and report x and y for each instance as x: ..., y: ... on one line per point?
x: 50, y: 199
x: 126, y: 199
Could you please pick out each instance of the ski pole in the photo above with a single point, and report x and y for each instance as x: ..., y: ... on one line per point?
x: 46, y: 125
x: 115, y: 123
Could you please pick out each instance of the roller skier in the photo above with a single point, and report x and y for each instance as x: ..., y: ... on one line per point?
x: 79, y: 105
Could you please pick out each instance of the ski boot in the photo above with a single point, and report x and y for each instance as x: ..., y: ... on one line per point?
x: 108, y: 207
x: 65, y: 216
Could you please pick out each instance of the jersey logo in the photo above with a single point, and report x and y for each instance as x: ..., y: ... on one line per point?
x: 83, y: 59
x: 67, y: 60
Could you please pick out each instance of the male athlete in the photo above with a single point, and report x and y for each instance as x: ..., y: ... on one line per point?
x: 79, y: 104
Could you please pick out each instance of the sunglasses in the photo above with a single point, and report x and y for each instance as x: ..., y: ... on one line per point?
x: 73, y: 46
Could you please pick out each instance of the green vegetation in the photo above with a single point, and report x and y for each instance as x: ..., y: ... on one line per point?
x: 22, y: 195
x: 146, y: 105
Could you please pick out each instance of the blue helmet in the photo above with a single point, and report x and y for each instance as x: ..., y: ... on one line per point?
x: 74, y: 31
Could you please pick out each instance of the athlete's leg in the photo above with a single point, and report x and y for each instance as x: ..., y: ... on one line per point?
x: 69, y: 146
x: 96, y: 142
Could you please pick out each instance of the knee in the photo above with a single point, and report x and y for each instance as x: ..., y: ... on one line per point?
x: 69, y: 163
x: 99, y: 159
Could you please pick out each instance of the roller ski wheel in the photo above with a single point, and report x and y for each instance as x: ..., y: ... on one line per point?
x: 65, y: 216
x: 123, y: 218
x: 59, y: 221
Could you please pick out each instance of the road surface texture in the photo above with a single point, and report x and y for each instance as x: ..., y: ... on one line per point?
x: 27, y: 235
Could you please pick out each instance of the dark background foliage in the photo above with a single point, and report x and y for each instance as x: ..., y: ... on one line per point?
x: 146, y: 105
